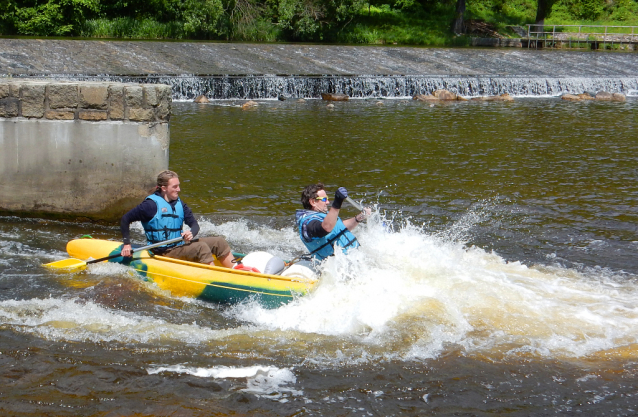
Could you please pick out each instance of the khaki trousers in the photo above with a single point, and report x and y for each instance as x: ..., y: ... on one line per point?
x: 202, y: 250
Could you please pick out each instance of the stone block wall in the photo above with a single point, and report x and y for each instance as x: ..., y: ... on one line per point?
x: 88, y: 150
x: 92, y: 101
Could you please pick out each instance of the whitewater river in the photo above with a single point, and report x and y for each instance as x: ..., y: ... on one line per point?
x: 498, y: 274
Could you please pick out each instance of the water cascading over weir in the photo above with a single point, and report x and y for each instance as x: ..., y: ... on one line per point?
x: 226, y: 71
x: 254, y: 87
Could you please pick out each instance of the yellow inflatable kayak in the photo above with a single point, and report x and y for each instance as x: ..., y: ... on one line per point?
x: 205, y: 282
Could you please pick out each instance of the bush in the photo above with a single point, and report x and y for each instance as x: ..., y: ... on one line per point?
x: 56, y: 17
x: 586, y: 9
x: 127, y: 27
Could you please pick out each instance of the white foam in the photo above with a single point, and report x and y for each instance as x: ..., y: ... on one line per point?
x: 268, y: 381
x: 432, y: 292
x: 76, y: 320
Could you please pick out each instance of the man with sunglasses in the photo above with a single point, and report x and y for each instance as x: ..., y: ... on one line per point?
x: 320, y: 227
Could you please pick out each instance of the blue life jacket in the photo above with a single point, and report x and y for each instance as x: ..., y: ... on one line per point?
x: 166, y: 224
x: 322, y: 247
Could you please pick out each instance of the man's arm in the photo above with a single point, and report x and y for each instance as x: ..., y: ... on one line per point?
x: 143, y: 213
x: 352, y: 222
x: 191, y: 221
x: 330, y: 221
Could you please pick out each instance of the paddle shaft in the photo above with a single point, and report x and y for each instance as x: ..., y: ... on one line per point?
x: 354, y: 204
x: 154, y: 245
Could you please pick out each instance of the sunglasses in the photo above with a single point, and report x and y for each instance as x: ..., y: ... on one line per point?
x: 324, y: 199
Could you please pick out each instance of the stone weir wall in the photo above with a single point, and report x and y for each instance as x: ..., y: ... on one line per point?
x: 80, y: 149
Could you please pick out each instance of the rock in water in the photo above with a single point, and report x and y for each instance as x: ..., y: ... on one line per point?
x: 618, y: 97
x: 249, y: 104
x: 604, y: 96
x: 444, y: 95
x: 334, y: 97
x: 570, y: 97
x: 425, y: 97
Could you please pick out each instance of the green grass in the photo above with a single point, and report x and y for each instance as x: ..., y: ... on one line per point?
x: 426, y: 24
x: 126, y: 27
x: 384, y: 25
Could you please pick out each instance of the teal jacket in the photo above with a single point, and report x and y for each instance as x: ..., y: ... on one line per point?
x: 167, y: 222
x: 322, y: 247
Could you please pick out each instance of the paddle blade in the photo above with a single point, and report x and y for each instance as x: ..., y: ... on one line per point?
x: 67, y: 264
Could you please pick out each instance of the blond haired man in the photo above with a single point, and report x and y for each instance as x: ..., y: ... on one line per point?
x: 163, y: 215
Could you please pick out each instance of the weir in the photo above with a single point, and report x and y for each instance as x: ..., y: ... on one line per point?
x: 250, y: 87
x: 267, y: 71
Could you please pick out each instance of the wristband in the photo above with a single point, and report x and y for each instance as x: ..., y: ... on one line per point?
x: 356, y: 219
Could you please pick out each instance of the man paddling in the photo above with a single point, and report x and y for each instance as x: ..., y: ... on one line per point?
x: 163, y: 215
x: 321, y: 228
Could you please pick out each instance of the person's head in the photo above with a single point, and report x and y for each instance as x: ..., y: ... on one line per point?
x: 168, y: 185
x: 311, y: 195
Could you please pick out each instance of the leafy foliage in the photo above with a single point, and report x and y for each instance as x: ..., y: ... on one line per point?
x: 586, y: 9
x: 416, y: 22
x: 55, y: 17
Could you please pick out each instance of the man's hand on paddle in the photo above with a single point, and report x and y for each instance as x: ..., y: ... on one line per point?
x: 188, y: 236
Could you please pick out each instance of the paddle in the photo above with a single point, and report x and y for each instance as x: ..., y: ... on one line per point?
x: 73, y: 264
x: 354, y: 204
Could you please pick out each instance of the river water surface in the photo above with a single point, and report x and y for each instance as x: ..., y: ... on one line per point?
x: 497, y: 275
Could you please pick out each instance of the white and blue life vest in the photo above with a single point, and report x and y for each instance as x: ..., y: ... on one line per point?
x: 167, y: 222
x: 322, y: 247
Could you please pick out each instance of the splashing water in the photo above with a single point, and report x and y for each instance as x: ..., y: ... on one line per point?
x: 410, y: 295
x: 405, y: 294
x: 266, y: 381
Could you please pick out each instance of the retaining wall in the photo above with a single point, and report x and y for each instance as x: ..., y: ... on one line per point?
x: 80, y: 149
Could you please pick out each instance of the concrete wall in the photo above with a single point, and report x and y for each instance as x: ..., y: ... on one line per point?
x: 80, y: 149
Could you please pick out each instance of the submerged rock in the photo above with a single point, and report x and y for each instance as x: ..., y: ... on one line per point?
x: 502, y: 97
x: 444, y: 95
x: 425, y: 97
x: 201, y: 99
x: 249, y: 104
x: 577, y: 97
x: 334, y: 97
x: 619, y: 97
x: 604, y: 96
x: 570, y: 97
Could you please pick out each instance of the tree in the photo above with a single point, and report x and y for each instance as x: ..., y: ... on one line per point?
x: 543, y: 9
x: 457, y: 25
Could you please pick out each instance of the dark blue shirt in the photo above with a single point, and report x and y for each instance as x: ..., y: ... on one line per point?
x: 146, y: 211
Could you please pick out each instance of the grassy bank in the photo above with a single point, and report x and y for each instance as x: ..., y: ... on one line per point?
x: 401, y: 22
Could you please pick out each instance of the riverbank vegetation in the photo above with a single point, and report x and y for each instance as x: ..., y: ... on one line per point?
x: 403, y: 22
